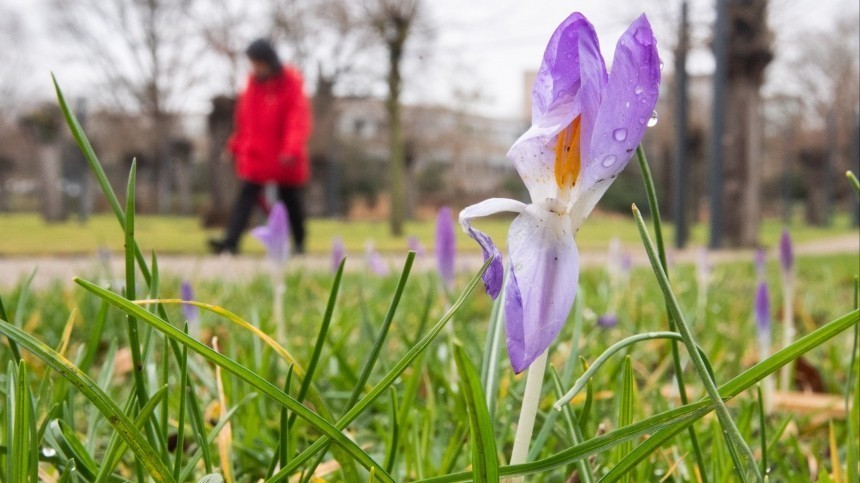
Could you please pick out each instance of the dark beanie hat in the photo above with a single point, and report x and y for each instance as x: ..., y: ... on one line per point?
x: 262, y: 50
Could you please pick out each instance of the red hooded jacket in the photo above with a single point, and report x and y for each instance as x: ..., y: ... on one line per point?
x: 272, y: 123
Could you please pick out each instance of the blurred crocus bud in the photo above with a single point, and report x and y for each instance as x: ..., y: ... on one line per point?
x: 446, y: 247
x: 607, y: 321
x: 762, y: 310
x: 191, y: 312
x: 275, y: 234
x: 786, y: 252
x: 415, y: 246
x: 338, y: 253
x: 375, y: 262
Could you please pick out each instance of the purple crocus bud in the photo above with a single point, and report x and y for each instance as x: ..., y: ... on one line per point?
x: 375, y: 262
x: 415, y: 245
x: 446, y: 247
x: 786, y: 252
x: 760, y: 263
x: 607, y: 321
x: 191, y: 312
x: 586, y: 125
x: 626, y: 265
x: 338, y: 253
x: 274, y: 235
x: 762, y: 311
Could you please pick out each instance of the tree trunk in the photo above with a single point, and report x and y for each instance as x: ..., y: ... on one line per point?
x: 396, y: 160
x: 747, y: 57
x: 50, y: 159
x: 222, y: 183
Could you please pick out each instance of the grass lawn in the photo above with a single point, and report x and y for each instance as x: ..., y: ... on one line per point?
x: 27, y: 234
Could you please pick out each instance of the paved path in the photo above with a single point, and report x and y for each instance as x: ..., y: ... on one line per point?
x: 242, y: 268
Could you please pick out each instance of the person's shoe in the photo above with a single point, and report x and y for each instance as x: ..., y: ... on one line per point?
x: 299, y: 250
x: 218, y: 247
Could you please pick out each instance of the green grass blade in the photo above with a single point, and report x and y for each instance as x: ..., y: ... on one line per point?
x: 391, y: 454
x: 181, y: 411
x: 92, y: 346
x: 142, y: 449
x: 491, y: 358
x: 734, y: 440
x: 199, y: 428
x: 387, y: 380
x: 852, y: 390
x: 19, y: 451
x: 854, y: 181
x: 654, y: 208
x: 235, y: 368
x: 73, y: 449
x: 16, y: 354
x: 625, y: 410
x: 117, y: 446
x: 96, y: 167
x: 762, y: 423
x: 574, y: 433
x: 485, y: 462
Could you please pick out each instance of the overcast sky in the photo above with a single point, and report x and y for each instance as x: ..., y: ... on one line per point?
x: 482, y: 46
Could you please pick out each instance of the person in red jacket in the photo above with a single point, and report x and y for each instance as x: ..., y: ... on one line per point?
x: 269, y: 143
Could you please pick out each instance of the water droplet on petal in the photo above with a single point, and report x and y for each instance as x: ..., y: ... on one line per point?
x: 609, y: 160
x: 638, y: 90
x: 619, y: 134
x: 642, y: 121
x: 653, y: 120
x: 661, y: 64
x: 627, y: 104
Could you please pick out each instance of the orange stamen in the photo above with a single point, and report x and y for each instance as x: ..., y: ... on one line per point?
x: 567, y: 155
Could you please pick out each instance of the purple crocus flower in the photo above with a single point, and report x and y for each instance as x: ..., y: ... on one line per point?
x: 446, y: 247
x: 586, y: 124
x: 415, y: 245
x: 786, y: 252
x: 275, y: 234
x: 338, y: 253
x: 191, y: 312
x: 607, y: 321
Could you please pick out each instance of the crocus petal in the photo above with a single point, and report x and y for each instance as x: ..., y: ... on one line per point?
x: 544, y: 275
x: 627, y: 104
x: 446, y: 248
x: 559, y: 77
x: 274, y: 234
x: 495, y: 272
x: 568, y: 84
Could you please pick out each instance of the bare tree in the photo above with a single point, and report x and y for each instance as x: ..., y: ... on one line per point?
x: 393, y: 21
x: 144, y: 53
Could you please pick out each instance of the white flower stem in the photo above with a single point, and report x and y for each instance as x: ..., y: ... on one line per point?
x: 526, y: 424
x: 787, y: 327
x: 279, y: 289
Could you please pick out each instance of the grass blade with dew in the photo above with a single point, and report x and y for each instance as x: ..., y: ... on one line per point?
x: 733, y: 437
x: 237, y: 369
x: 72, y: 448
x: 121, y: 423
x: 485, y: 462
x: 654, y: 208
x: 387, y: 380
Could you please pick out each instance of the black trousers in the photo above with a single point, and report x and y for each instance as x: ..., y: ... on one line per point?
x: 249, y: 193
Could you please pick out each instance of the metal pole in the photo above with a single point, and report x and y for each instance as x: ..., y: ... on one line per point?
x: 681, y: 175
x: 718, y: 103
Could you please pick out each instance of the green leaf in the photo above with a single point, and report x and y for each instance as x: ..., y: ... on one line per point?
x: 19, y: 451
x: 485, y: 463
x: 72, y: 448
